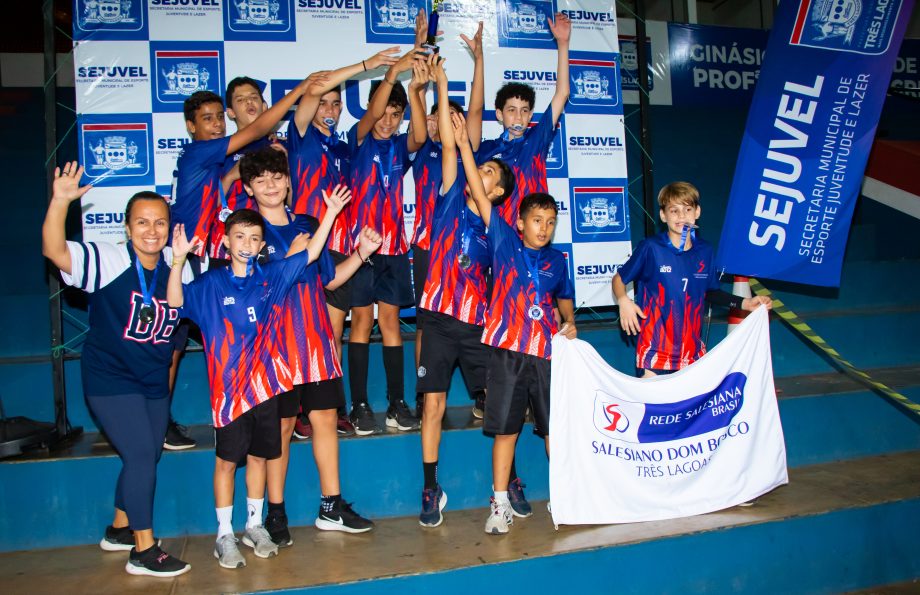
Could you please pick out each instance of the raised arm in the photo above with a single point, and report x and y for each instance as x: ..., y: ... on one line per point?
x: 473, y: 179
x: 335, y: 202
x: 369, y: 241
x: 65, y: 190
x: 445, y: 128
x: 562, y: 31
x: 418, y: 129
x: 330, y: 80
x: 268, y: 119
x: 477, y: 93
x: 378, y: 103
x: 180, y: 249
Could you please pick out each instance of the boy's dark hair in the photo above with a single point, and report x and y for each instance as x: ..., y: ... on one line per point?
x: 199, y: 98
x: 512, y: 91
x: 143, y: 195
x: 244, y: 218
x: 453, y: 105
x: 398, y: 97
x: 506, y: 180
x: 264, y: 160
x: 239, y: 82
x: 537, y: 200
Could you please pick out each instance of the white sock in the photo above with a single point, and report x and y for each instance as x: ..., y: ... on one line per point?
x: 224, y: 521
x: 502, y: 497
x: 254, y: 506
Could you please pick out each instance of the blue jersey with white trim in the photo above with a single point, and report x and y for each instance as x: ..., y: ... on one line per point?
x: 122, y: 353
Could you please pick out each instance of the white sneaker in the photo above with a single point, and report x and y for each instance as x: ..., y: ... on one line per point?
x: 228, y: 553
x: 260, y: 541
x: 500, y: 518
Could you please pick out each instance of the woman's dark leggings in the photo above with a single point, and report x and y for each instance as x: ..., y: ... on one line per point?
x: 136, y: 427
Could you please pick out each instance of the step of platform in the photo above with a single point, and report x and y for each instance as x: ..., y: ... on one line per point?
x: 836, y: 527
x: 825, y: 418
x: 867, y: 337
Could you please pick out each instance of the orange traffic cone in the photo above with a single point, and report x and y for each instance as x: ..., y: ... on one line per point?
x: 740, y: 287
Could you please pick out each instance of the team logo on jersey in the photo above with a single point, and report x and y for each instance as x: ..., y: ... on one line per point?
x: 110, y: 19
x: 116, y: 151
x: 182, y: 69
x: 594, y: 77
x: 144, y: 330
x: 665, y: 268
x: 523, y: 24
x: 259, y: 20
x: 629, y: 63
x: 599, y: 209
x: 392, y: 21
x: 859, y: 26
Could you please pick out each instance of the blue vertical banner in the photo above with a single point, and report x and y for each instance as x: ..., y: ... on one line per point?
x: 809, y: 132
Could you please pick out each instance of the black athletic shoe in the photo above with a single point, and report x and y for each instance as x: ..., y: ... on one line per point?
x: 399, y: 416
x: 120, y: 539
x: 177, y: 437
x: 342, y: 518
x: 276, y: 523
x: 155, y: 562
x: 362, y: 416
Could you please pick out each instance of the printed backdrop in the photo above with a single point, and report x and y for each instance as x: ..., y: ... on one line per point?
x: 136, y: 62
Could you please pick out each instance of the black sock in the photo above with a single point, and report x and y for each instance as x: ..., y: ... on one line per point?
x: 513, y: 475
x: 393, y: 366
x: 328, y: 503
x: 357, y: 371
x: 431, y: 475
x: 278, y: 508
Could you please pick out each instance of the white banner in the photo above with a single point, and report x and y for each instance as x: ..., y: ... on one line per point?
x: 626, y: 449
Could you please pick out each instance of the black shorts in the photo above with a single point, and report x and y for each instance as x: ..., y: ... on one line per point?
x: 312, y: 396
x: 180, y: 335
x: 641, y: 372
x: 446, y: 342
x: 340, y: 298
x: 256, y: 432
x: 385, y: 279
x: 515, y: 380
x: 420, y: 260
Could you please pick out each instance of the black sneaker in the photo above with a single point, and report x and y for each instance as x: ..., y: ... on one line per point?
x: 276, y: 523
x: 177, y: 437
x: 399, y: 416
x: 362, y: 416
x: 120, y: 539
x: 155, y: 562
x: 342, y: 518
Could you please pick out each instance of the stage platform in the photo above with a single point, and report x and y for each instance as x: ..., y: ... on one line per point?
x: 844, y: 512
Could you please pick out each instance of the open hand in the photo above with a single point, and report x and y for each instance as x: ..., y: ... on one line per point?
x: 66, y: 185
x: 337, y: 200
x: 630, y: 313
x: 474, y: 43
x: 561, y: 27
x: 181, y: 246
x: 386, y: 57
x: 458, y: 123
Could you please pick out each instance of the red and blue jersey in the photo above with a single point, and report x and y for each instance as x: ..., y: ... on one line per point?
x: 672, y: 288
x: 523, y: 278
x: 307, y: 339
x: 426, y: 169
x: 451, y: 289
x: 377, y: 170
x: 236, y: 198
x: 239, y: 319
x: 318, y: 163
x: 526, y: 156
x: 196, y: 199
x: 123, y: 354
